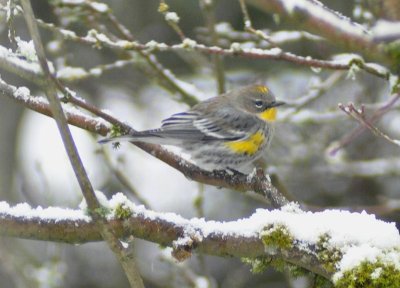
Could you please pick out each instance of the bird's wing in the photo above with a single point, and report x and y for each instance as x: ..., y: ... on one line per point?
x: 199, y: 125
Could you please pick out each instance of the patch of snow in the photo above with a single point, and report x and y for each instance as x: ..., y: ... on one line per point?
x: 223, y: 28
x: 100, y: 197
x: 172, y: 17
x: 202, y: 282
x: 189, y: 43
x: 99, y: 7
x: 386, y: 29
x: 25, y: 211
x: 71, y: 73
x: 26, y: 49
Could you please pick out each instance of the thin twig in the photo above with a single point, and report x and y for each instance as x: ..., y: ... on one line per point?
x: 359, y: 115
x: 248, y: 26
x: 57, y: 111
x: 164, y: 74
x: 315, y: 92
x: 234, y: 51
x: 348, y: 138
x: 208, y: 8
x: 171, y: 18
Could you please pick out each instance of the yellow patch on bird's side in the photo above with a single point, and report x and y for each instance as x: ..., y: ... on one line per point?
x: 268, y: 115
x: 262, y: 89
x: 249, y: 146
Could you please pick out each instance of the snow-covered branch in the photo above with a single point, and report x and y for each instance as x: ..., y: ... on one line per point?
x: 314, y: 17
x: 317, y: 242
x: 94, y: 38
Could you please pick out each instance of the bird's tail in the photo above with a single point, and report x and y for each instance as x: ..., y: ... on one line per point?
x: 115, y: 139
x: 144, y: 136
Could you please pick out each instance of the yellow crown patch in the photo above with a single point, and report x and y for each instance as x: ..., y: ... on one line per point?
x: 262, y: 89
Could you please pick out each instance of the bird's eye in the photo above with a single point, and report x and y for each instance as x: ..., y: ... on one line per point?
x: 258, y: 103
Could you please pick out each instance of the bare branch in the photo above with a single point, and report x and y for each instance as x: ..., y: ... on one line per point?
x: 208, y: 8
x: 347, y: 139
x: 359, y: 115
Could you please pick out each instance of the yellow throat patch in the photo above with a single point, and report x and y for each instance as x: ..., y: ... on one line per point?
x: 268, y: 115
x: 249, y: 146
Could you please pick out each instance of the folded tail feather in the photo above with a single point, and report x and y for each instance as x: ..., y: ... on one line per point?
x: 135, y: 136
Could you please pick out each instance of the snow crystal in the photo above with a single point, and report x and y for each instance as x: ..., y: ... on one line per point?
x: 346, y: 58
x: 26, y: 49
x: 287, y: 36
x: 68, y: 33
x: 95, y: 71
x: 273, y: 51
x: 183, y: 241
x: 152, y: 44
x: 172, y: 16
x: 251, y: 175
x: 189, y: 43
x: 73, y: 2
x: 71, y: 73
x: 22, y: 93
x: 223, y: 28
x: 14, y: 59
x: 99, y: 7
x: 236, y: 47
x: 377, y: 272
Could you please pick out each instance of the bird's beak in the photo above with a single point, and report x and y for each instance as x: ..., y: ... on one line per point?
x: 278, y: 103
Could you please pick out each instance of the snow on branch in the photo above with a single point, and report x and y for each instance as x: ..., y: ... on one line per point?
x: 334, y: 244
x: 317, y: 18
x: 39, y: 104
x: 96, y: 39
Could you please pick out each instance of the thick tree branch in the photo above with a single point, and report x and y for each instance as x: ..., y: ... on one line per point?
x: 317, y: 242
x: 161, y: 230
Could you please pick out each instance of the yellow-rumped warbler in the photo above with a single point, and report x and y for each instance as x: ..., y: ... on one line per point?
x: 227, y: 131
